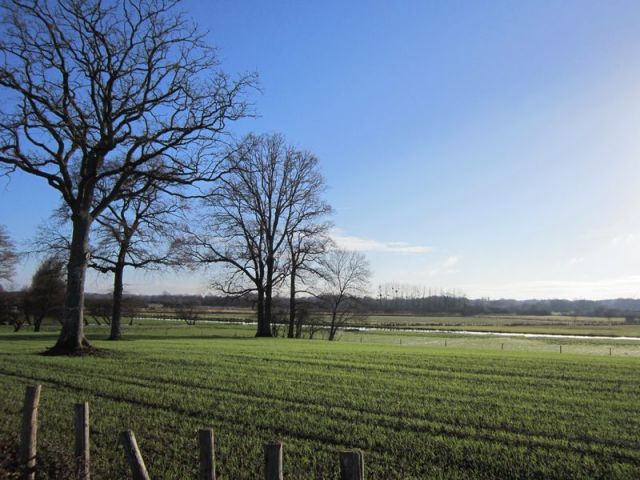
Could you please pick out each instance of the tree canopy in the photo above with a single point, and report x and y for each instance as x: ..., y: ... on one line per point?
x: 273, y: 190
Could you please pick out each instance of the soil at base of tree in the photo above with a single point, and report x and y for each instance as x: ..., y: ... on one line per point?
x: 84, y: 351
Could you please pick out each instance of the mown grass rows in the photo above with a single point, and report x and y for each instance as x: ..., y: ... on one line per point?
x: 485, y: 384
x: 416, y: 413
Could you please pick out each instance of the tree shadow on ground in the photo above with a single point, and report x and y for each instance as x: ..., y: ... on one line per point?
x: 47, y: 336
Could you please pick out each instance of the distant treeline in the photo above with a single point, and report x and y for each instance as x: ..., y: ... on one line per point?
x: 29, y: 307
x: 442, y: 303
x: 461, y: 305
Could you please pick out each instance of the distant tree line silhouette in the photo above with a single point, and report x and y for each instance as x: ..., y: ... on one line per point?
x: 429, y: 305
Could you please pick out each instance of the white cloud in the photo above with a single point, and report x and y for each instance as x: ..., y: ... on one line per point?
x: 451, y: 261
x: 351, y: 242
x: 576, y: 260
x: 631, y: 239
x: 446, y: 266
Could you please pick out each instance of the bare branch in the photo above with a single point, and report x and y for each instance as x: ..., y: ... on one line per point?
x: 104, y: 98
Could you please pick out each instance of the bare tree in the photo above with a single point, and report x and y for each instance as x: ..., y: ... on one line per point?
x: 133, y: 232
x: 188, y: 312
x: 306, y: 244
x: 250, y: 215
x: 100, y: 309
x: 306, y: 318
x: 107, y: 93
x: 8, y: 255
x: 345, y: 275
x: 131, y: 307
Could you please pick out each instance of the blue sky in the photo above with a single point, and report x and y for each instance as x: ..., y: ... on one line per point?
x: 491, y: 147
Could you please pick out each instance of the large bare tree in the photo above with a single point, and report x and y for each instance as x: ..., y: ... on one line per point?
x: 272, y: 190
x: 345, y: 276
x: 134, y: 232
x: 307, y: 242
x: 105, y: 93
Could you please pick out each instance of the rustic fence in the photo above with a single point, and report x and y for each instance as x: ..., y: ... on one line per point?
x: 351, y: 461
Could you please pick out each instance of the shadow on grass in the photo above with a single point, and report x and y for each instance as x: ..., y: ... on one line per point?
x: 134, y: 337
x: 30, y: 337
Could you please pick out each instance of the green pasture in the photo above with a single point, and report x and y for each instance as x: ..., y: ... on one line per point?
x: 418, y: 409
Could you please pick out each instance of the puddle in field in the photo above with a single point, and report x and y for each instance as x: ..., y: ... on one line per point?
x: 448, y: 332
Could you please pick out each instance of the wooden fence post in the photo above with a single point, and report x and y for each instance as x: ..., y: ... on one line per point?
x: 351, y: 465
x: 83, y: 457
x: 207, y: 454
x: 29, y: 432
x: 133, y: 456
x: 273, y: 461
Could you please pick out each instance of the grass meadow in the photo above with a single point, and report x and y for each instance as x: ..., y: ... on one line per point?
x: 480, y: 407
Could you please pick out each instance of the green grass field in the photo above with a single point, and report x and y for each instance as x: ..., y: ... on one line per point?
x: 418, y: 409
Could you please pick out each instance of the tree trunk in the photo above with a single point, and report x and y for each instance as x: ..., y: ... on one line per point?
x: 264, y: 329
x: 292, y: 303
x: 37, y: 323
x: 268, y: 297
x: 72, y: 339
x: 18, y: 324
x: 334, y: 327
x: 116, y: 315
x: 299, y: 327
x: 266, y: 320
